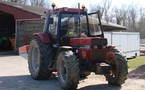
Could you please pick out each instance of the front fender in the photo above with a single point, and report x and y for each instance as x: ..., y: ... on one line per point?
x: 43, y: 36
x: 111, y: 54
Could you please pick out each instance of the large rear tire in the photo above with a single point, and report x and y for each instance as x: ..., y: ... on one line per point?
x: 119, y: 71
x: 39, y: 57
x: 68, y: 70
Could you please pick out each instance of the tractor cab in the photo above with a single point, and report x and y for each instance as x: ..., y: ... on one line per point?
x: 65, y: 23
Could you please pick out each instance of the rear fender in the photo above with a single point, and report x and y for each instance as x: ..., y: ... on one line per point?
x: 111, y: 48
x: 43, y: 36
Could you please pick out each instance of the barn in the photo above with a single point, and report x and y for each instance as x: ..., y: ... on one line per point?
x: 18, y: 22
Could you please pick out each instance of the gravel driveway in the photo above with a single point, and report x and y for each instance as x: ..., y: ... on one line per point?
x: 14, y: 75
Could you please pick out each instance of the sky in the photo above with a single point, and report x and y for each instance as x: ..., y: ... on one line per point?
x: 87, y: 3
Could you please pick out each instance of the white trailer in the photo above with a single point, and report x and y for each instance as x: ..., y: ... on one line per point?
x: 127, y: 42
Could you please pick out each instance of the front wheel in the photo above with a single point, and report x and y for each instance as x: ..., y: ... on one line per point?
x: 39, y: 57
x: 68, y: 70
x: 118, y: 72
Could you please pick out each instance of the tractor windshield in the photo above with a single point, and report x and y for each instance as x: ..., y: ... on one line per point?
x: 69, y: 24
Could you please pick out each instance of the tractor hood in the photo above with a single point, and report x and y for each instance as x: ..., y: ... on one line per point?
x: 92, y: 41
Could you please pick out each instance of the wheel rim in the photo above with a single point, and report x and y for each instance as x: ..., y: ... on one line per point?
x: 63, y: 71
x: 35, y: 59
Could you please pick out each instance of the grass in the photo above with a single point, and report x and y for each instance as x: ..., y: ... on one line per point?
x: 136, y: 62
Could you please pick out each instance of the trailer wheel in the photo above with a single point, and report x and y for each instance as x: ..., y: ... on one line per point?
x: 68, y: 70
x: 39, y: 57
x: 119, y: 71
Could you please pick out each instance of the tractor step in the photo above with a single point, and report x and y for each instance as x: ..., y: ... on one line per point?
x: 102, y: 68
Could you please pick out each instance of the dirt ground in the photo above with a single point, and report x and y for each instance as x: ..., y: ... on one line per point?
x: 14, y: 75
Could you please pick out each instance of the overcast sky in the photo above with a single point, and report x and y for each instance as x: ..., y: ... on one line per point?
x: 87, y: 3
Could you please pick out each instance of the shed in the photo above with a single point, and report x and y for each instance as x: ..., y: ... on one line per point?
x: 18, y: 22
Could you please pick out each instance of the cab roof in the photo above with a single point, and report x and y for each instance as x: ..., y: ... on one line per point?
x: 65, y: 9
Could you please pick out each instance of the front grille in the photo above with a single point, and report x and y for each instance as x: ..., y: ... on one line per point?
x: 99, y: 54
x: 99, y: 41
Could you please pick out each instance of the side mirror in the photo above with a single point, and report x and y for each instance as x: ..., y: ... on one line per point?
x: 51, y: 21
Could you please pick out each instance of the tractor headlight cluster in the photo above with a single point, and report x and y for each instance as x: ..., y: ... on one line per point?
x: 99, y: 46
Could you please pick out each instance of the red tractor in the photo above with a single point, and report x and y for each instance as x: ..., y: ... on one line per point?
x: 74, y: 46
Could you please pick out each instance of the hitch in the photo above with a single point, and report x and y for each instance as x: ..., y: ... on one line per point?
x: 102, y: 68
x: 51, y: 65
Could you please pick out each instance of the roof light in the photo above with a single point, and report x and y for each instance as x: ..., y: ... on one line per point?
x: 53, y: 5
x: 83, y: 6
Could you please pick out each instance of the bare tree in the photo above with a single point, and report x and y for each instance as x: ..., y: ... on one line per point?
x: 124, y: 15
x: 38, y: 3
x: 141, y: 22
x: 14, y: 0
x: 103, y: 7
x: 112, y: 15
x: 94, y: 8
x: 22, y: 1
x: 18, y: 1
x: 106, y: 6
x: 120, y: 15
x: 132, y: 17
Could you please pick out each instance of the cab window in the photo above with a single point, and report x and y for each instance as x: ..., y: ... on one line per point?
x: 54, y: 25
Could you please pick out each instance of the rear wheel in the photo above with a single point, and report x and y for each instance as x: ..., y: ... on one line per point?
x: 119, y: 71
x: 68, y: 70
x: 39, y: 57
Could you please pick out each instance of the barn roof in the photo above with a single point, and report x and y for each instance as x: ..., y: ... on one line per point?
x: 19, y: 8
x: 32, y: 9
x: 108, y: 26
